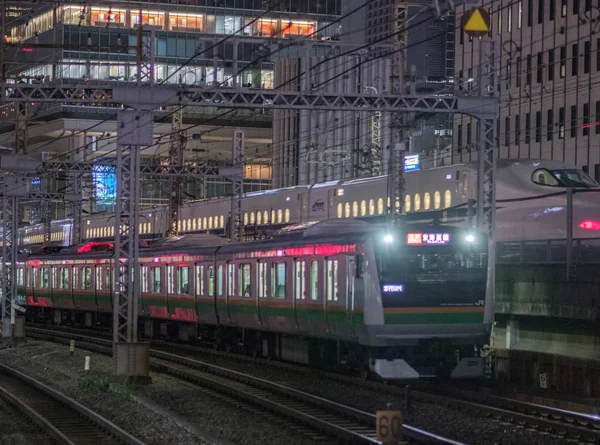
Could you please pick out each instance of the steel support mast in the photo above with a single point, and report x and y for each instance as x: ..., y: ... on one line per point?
x: 237, y: 185
x: 176, y: 151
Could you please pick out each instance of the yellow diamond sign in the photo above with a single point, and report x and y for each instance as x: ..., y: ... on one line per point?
x: 476, y: 22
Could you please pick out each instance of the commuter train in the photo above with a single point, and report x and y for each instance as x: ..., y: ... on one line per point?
x: 398, y: 302
x: 531, y: 205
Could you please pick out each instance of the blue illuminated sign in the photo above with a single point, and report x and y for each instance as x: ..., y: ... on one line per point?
x: 411, y: 163
x: 392, y: 288
x: 105, y: 183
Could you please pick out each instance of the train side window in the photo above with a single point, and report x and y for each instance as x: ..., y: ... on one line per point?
x: 380, y: 206
x: 222, y: 221
x: 210, y: 222
x: 347, y: 210
x: 45, y: 278
x: 437, y: 200
x: 155, y: 278
x: 279, y: 216
x: 407, y: 204
x: 98, y: 278
x: 426, y: 201
x: 262, y: 280
x: 300, y: 279
x: 220, y: 280
x: 332, y: 280
x: 230, y: 280
x: 447, y: 199
x: 252, y: 218
x: 170, y: 279
x: 465, y: 185
x: 245, y: 219
x: 340, y: 210
x: 107, y: 276
x: 314, y: 280
x: 278, y: 280
x: 144, y: 276
x: 272, y: 217
x: 194, y: 224
x: 20, y: 280
x: 258, y: 218
x: 371, y: 207
x: 354, y: 209
x: 210, y: 276
x: 363, y: 208
x: 205, y: 223
x: 75, y: 277
x: 36, y: 275
x: 265, y: 217
x: 417, y: 202
x: 287, y: 215
x: 244, y: 271
x: 86, y: 278
x: 199, y: 223
x: 183, y: 280
x: 199, y: 280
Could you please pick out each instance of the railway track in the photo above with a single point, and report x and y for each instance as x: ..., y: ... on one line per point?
x: 324, y: 417
x: 581, y: 427
x: 63, y: 419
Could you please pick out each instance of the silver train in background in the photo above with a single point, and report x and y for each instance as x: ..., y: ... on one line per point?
x: 531, y: 205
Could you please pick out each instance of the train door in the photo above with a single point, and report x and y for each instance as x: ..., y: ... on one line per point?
x: 332, y: 303
x: 144, y: 288
x: 171, y: 282
x: 156, y: 302
x: 463, y: 185
x: 29, y: 280
x: 261, y: 291
x: 350, y: 273
x: 220, y: 297
x: 246, y: 313
x: 304, y: 207
x: 230, y: 292
x: 331, y: 204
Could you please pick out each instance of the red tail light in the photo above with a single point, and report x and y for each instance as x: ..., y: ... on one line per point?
x: 589, y: 224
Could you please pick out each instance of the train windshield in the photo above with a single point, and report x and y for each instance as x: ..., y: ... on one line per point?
x: 563, y: 178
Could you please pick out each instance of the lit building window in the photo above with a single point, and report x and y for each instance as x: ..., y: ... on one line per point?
x: 106, y: 16
x: 152, y: 18
x: 292, y: 29
x: 183, y: 22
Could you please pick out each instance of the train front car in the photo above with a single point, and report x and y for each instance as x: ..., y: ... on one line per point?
x: 424, y: 306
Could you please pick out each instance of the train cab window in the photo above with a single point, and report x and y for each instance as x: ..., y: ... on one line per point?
x: 447, y: 199
x: 347, y: 210
x: 86, y: 277
x: 244, y: 271
x: 407, y: 204
x: 258, y: 218
x: 340, y: 210
x: 155, y: 280
x: 417, y: 202
x: 230, y: 279
x: 45, y: 278
x: 199, y: 280
x: 371, y: 207
x: 544, y: 177
x: 380, y: 206
x: 262, y: 280
x: 426, y: 201
x: 437, y: 200
x: 300, y: 279
x: 278, y: 280
x: 314, y: 280
x: 220, y: 280
x: 332, y: 280
x: 287, y: 215
x: 354, y: 209
x: 210, y: 278
x: 170, y: 279
x: 563, y: 178
x: 363, y: 208
x: 183, y: 280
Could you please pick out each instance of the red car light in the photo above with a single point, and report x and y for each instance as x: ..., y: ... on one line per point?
x: 589, y: 224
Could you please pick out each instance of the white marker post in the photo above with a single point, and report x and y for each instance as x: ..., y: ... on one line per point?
x: 86, y: 367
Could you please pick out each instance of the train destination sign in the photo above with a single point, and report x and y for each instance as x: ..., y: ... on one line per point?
x: 419, y: 238
x: 392, y: 288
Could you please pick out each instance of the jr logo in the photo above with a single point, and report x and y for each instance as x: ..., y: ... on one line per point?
x: 318, y: 206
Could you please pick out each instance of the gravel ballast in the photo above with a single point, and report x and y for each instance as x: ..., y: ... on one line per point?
x: 16, y: 428
x: 186, y: 411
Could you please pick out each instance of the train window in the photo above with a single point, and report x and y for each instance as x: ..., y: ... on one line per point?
x: 278, y: 280
x: 205, y: 223
x: 107, y: 275
x: 340, y: 210
x: 347, y: 210
x: 20, y: 274
x: 406, y: 203
x: 245, y: 219
x: 75, y: 278
x: 371, y: 207
x: 252, y: 220
x: 332, y: 280
x: 36, y: 274
x: 170, y: 279
x: 183, y: 280
x: 397, y: 204
x: 544, y: 177
x: 230, y: 279
x: 244, y: 271
x: 426, y: 201
x: 86, y: 277
x: 447, y: 199
x: 287, y: 215
x: 465, y: 184
x: 210, y: 222
x: 417, y: 202
x: 210, y: 275
x: 179, y: 225
x: 300, y: 279
x: 314, y: 280
x: 220, y: 280
x: 45, y: 278
x: 98, y: 278
x: 262, y: 280
x: 199, y: 223
x: 155, y: 280
x: 222, y: 221
x: 380, y: 206
x: 144, y: 276
x: 437, y: 200
x: 259, y: 218
x: 194, y: 224
x: 279, y: 216
x: 354, y: 209
x: 199, y: 280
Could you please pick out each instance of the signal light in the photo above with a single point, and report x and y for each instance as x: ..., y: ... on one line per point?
x: 589, y: 224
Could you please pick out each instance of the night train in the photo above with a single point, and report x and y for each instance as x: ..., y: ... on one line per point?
x: 531, y: 205
x: 405, y: 302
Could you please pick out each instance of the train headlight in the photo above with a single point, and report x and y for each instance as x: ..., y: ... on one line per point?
x: 388, y: 239
x: 470, y: 238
